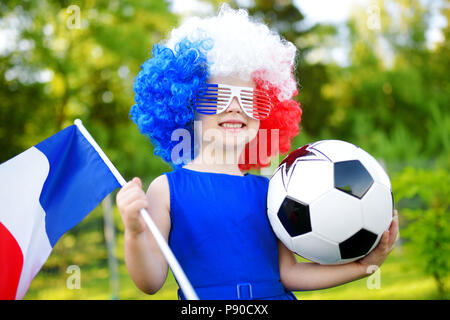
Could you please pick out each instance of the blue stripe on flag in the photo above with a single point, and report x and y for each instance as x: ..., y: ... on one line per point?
x: 77, y: 182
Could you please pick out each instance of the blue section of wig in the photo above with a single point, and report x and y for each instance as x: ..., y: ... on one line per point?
x: 163, y: 90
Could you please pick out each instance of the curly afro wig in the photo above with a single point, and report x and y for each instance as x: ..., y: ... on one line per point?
x: 230, y: 43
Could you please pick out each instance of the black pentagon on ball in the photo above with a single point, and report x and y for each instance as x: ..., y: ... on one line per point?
x: 294, y: 216
x: 352, y: 177
x: 357, y: 245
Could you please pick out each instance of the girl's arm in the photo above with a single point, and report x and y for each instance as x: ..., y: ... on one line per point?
x: 303, y: 276
x: 144, y: 260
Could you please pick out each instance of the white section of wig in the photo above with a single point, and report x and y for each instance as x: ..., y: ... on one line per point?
x: 242, y: 46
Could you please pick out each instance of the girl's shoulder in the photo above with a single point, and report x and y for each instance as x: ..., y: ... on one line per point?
x: 263, y: 178
x: 159, y: 191
x: 260, y: 178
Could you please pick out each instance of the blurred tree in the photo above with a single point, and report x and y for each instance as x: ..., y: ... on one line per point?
x: 16, y: 116
x: 393, y: 96
x: 78, y: 60
x: 428, y: 226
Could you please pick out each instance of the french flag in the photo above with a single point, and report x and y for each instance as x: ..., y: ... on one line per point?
x: 45, y: 191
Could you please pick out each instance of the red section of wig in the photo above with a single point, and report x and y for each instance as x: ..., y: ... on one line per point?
x: 276, y: 132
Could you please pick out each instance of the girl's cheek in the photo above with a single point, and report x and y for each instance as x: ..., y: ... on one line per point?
x: 254, y: 124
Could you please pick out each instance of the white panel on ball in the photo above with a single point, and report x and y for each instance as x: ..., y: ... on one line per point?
x: 313, y: 247
x: 377, y: 208
x: 375, y: 169
x: 310, y: 180
x: 336, y: 215
x: 336, y: 150
x: 276, y: 192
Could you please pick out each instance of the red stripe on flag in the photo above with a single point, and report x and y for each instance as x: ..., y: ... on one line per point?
x: 11, y: 258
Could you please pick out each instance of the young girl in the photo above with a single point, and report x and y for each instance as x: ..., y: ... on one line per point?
x: 225, y: 85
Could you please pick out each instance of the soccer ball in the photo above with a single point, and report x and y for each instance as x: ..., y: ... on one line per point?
x: 330, y: 202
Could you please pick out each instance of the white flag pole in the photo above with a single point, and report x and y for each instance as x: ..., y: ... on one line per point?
x: 178, y: 272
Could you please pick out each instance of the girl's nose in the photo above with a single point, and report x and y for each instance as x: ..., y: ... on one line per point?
x: 234, y: 106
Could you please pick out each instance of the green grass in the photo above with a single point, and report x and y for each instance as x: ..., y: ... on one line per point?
x: 400, y: 277
x: 398, y: 280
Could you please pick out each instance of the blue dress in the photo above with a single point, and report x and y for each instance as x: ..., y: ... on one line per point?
x: 222, y: 237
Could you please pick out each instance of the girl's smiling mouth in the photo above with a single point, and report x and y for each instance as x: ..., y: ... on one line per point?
x: 232, y: 125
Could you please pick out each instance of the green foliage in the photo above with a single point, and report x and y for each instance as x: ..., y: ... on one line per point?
x: 424, y: 200
x: 92, y: 56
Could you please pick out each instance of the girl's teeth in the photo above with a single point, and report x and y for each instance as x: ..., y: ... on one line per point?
x: 232, y: 125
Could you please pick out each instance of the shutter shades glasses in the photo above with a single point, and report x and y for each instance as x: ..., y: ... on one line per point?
x: 214, y: 98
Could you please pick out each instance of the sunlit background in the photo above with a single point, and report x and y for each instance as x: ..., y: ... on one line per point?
x: 374, y: 73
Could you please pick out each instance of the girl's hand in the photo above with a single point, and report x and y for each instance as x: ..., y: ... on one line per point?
x: 130, y: 200
x: 384, y: 247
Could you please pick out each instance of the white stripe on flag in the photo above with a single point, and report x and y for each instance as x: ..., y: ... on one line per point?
x: 22, y: 178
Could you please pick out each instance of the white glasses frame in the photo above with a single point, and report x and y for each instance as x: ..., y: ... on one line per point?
x: 214, y: 98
